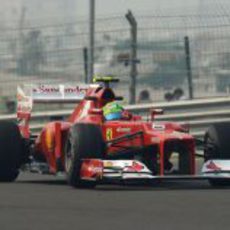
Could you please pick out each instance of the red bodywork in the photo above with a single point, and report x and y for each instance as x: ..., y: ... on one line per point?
x: 50, y: 143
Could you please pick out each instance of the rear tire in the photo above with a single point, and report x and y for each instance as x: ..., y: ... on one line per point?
x: 84, y: 141
x: 217, y: 146
x: 11, y: 150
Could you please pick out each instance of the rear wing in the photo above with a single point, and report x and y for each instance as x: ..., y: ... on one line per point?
x: 27, y: 95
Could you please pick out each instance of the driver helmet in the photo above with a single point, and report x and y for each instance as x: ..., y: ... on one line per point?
x: 112, y: 111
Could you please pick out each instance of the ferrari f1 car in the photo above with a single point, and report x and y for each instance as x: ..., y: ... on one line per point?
x: 90, y: 149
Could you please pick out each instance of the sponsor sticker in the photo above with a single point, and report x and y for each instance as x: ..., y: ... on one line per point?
x: 109, y: 134
x: 135, y: 167
x: 59, y: 92
x: 212, y: 166
x: 158, y: 127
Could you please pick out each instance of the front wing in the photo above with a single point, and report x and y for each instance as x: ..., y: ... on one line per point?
x: 135, y: 171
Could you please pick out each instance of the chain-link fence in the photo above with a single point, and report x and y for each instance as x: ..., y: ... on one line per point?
x: 53, y: 52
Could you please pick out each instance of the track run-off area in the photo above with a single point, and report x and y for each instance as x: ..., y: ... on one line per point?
x: 37, y: 201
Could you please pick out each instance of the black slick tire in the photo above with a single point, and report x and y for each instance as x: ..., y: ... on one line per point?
x: 217, y: 146
x: 84, y: 141
x: 11, y: 148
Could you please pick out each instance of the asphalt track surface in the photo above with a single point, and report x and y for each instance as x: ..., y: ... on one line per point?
x: 46, y: 202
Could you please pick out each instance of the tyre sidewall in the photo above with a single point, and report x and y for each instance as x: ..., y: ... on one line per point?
x: 10, y: 152
x: 84, y: 141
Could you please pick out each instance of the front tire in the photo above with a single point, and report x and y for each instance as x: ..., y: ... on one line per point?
x: 216, y: 146
x: 84, y: 141
x: 11, y: 150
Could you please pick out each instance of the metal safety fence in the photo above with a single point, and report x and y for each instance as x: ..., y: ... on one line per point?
x: 53, y: 51
x: 199, y: 114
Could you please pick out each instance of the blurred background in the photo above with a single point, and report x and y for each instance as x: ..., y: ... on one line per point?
x: 45, y: 42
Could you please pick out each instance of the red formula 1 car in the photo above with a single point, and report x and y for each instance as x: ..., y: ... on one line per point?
x: 90, y: 150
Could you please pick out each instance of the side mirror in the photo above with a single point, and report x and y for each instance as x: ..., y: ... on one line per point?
x: 155, y: 112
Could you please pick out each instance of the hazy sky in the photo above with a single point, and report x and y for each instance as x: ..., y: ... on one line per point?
x: 108, y: 7
x: 42, y: 9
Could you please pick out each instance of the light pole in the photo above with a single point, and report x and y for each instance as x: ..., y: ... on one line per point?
x: 133, y: 57
x: 188, y: 66
x: 91, y: 40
